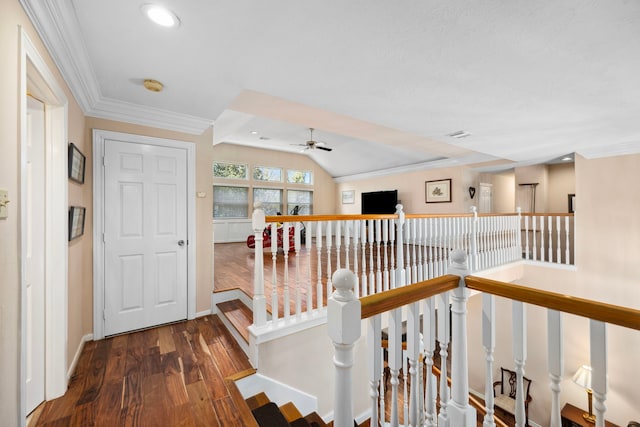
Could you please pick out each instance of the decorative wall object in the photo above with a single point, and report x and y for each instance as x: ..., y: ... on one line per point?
x: 572, y: 203
x: 348, y: 197
x: 438, y: 191
x: 472, y: 192
x: 76, y: 222
x: 77, y: 162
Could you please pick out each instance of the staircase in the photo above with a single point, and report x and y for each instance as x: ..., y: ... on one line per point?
x: 237, y: 317
x: 268, y: 414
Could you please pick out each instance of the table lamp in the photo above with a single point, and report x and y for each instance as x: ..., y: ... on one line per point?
x: 583, y: 379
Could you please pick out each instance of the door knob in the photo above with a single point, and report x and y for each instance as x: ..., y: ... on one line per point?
x: 180, y: 242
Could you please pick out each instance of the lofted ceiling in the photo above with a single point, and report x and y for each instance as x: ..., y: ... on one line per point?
x: 383, y: 83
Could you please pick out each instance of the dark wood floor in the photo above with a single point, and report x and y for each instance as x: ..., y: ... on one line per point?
x: 166, y: 376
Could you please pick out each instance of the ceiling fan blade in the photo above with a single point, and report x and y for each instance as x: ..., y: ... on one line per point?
x: 323, y: 148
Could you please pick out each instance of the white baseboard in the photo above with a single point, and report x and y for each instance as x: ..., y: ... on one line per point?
x: 203, y: 313
x: 76, y: 357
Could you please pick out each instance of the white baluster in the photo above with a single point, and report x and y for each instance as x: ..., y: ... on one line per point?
x: 431, y: 243
x: 382, y: 391
x: 285, y: 250
x: 363, y: 274
x: 343, y: 324
x: 550, y: 238
x: 329, y: 237
x: 378, y: 237
x: 296, y: 246
x: 460, y: 412
x: 489, y: 344
x: 474, y: 239
x: 319, y: 291
x: 418, y: 241
x: 394, y: 358
x: 356, y: 240
x: 559, y: 242
x: 517, y: 229
x: 338, y: 243
x: 400, y: 273
x: 405, y: 388
x: 598, y: 341
x: 274, y: 272
x: 392, y: 263
x: 413, y: 350
x: 385, y: 239
x: 555, y: 356
x: 567, y: 257
x: 443, y: 338
x: 526, y: 235
x: 408, y: 225
x: 519, y: 324
x: 414, y: 266
x: 259, y: 300
x: 308, y: 244
x: 372, y: 276
x: 374, y: 366
x: 533, y: 238
x: 429, y: 339
x: 347, y: 241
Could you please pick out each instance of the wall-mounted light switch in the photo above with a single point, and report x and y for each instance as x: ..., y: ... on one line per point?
x: 4, y: 201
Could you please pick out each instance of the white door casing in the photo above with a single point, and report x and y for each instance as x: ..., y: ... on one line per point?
x: 37, y: 78
x: 486, y: 198
x: 34, y: 252
x: 144, y: 216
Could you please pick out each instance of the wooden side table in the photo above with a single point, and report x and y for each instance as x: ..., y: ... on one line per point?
x: 572, y: 417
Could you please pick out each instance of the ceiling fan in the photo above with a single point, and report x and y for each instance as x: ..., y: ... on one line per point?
x: 313, y: 145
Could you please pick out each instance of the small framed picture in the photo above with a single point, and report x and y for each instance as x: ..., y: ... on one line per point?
x: 76, y: 222
x: 76, y: 164
x: 572, y: 203
x: 438, y: 191
x: 348, y: 197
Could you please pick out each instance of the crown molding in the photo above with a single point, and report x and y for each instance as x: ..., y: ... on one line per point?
x: 57, y: 25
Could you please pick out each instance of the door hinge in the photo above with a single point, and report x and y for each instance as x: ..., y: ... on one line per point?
x: 104, y: 238
x: 104, y: 314
x: 104, y: 161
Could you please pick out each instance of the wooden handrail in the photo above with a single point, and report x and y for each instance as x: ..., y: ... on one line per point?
x: 547, y: 214
x: 617, y: 315
x: 311, y: 218
x: 395, y: 298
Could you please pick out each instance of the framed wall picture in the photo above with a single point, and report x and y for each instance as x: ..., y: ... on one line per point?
x: 76, y: 222
x: 438, y: 191
x: 572, y: 203
x: 77, y: 162
x: 348, y: 197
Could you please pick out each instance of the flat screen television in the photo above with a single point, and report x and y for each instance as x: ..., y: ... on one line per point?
x: 379, y: 202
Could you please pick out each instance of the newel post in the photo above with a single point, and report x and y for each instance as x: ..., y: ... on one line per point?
x: 460, y: 413
x: 343, y: 322
x: 258, y: 224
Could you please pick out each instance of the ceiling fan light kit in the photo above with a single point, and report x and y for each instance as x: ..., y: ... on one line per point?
x: 311, y: 144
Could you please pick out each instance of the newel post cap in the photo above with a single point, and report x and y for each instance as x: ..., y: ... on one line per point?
x: 258, y: 220
x: 343, y: 309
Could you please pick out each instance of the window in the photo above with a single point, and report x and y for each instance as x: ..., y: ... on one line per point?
x: 299, y: 177
x: 229, y: 170
x: 301, y: 198
x: 271, y: 199
x: 265, y: 173
x: 230, y: 202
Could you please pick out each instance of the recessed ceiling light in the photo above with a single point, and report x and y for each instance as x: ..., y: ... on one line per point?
x: 160, y: 15
x: 459, y: 134
x: 566, y: 159
x: 254, y: 132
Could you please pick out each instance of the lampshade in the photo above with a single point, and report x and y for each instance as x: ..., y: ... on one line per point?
x: 583, y: 377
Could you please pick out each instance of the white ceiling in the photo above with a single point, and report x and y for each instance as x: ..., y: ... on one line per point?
x: 383, y: 82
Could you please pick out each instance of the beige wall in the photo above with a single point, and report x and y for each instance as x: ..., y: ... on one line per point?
x: 411, y: 190
x: 11, y: 18
x: 204, y: 246
x: 504, y: 185
x: 324, y: 188
x: 562, y: 182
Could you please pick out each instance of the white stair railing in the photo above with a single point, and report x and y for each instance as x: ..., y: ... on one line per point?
x: 548, y: 237
x: 384, y: 251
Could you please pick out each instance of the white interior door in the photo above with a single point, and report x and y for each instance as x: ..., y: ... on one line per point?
x: 34, y: 271
x: 486, y: 198
x: 145, y: 235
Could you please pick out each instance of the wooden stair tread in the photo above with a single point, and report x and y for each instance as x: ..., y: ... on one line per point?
x: 315, y: 418
x: 239, y: 315
x: 257, y: 400
x: 290, y: 412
